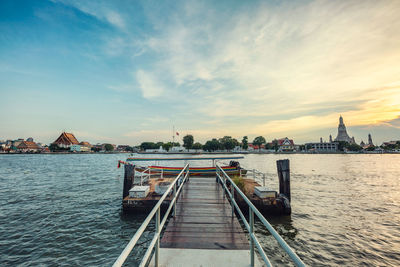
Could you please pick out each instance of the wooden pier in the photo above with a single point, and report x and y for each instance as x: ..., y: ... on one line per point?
x: 204, y: 231
x: 203, y: 227
x: 204, y: 219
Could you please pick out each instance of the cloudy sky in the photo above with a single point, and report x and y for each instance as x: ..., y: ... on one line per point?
x: 127, y: 71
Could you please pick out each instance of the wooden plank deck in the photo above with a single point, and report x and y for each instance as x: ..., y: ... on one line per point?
x: 204, y: 219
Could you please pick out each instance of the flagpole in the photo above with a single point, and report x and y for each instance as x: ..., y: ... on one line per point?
x: 173, y: 135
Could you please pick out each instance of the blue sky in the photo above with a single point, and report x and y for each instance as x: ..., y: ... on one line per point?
x: 127, y: 71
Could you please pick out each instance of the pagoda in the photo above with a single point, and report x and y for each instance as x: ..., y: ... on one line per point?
x: 342, y: 133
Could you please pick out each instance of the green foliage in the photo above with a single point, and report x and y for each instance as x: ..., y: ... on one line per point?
x: 95, y: 149
x: 188, y: 141
x: 148, y: 145
x: 56, y: 148
x: 167, y: 146
x: 258, y: 141
x: 197, y: 146
x: 212, y: 145
x: 353, y: 147
x: 371, y: 148
x: 239, y: 182
x: 245, y: 142
x: 108, y: 147
x: 228, y: 143
x: 342, y: 145
x: 275, y: 145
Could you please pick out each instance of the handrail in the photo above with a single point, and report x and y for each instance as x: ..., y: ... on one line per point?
x: 155, y: 211
x: 223, y: 177
x: 256, y: 174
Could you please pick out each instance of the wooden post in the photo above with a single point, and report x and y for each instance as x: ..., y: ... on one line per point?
x: 129, y: 176
x: 284, y: 177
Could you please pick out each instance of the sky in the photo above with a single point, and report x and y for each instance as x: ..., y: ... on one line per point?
x: 128, y: 71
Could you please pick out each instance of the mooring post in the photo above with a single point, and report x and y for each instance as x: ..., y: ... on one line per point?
x: 129, y: 176
x: 284, y: 177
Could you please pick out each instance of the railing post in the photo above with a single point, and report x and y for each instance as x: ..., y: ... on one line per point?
x: 232, y: 197
x: 157, y: 246
x: 251, y: 222
x: 149, y: 174
x: 174, y: 209
x: 162, y: 173
x: 254, y: 174
x: 264, y: 179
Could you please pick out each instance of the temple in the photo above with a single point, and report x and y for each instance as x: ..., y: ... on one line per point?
x: 66, y: 140
x: 342, y: 133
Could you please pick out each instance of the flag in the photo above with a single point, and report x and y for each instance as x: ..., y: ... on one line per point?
x: 177, y: 133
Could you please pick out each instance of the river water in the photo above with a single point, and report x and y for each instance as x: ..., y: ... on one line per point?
x: 66, y: 210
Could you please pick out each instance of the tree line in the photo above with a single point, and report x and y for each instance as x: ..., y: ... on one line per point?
x: 224, y: 143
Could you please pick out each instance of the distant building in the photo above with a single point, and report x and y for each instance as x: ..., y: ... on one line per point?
x: 370, y: 140
x: 251, y: 146
x: 323, y: 147
x: 75, y: 148
x: 27, y: 146
x: 85, y: 146
x: 30, y: 139
x: 66, y: 140
x: 286, y: 145
x: 342, y: 133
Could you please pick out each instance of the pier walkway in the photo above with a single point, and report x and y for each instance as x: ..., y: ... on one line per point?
x: 203, y: 229
x: 204, y: 232
x: 204, y: 219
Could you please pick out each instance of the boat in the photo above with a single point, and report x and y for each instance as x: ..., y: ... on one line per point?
x: 232, y: 169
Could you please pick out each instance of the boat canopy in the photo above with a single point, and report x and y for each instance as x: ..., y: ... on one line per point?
x: 173, y: 159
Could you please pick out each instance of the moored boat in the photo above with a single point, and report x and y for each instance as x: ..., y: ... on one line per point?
x: 232, y: 169
x: 194, y: 171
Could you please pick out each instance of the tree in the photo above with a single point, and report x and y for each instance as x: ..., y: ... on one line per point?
x: 245, y: 143
x: 275, y: 145
x: 371, y: 148
x: 197, y: 146
x: 148, y: 145
x: 212, y: 145
x: 353, y: 147
x: 108, y: 147
x: 342, y: 145
x: 188, y: 141
x: 258, y: 141
x: 95, y: 149
x: 54, y: 147
x: 167, y: 146
x: 228, y: 143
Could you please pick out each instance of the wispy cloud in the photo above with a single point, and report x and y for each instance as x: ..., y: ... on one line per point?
x: 148, y: 84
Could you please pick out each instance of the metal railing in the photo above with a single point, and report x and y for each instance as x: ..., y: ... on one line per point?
x: 146, y: 175
x: 223, y: 178
x: 155, y: 242
x: 255, y: 174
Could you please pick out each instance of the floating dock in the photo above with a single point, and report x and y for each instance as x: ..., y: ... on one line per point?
x: 203, y: 227
x: 267, y: 204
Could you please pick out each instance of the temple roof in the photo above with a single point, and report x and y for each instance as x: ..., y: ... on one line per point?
x: 28, y: 145
x: 68, y: 138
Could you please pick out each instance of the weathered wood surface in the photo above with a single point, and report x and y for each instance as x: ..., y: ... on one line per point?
x: 204, y: 219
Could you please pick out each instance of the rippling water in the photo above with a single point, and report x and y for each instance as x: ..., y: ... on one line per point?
x: 66, y: 210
